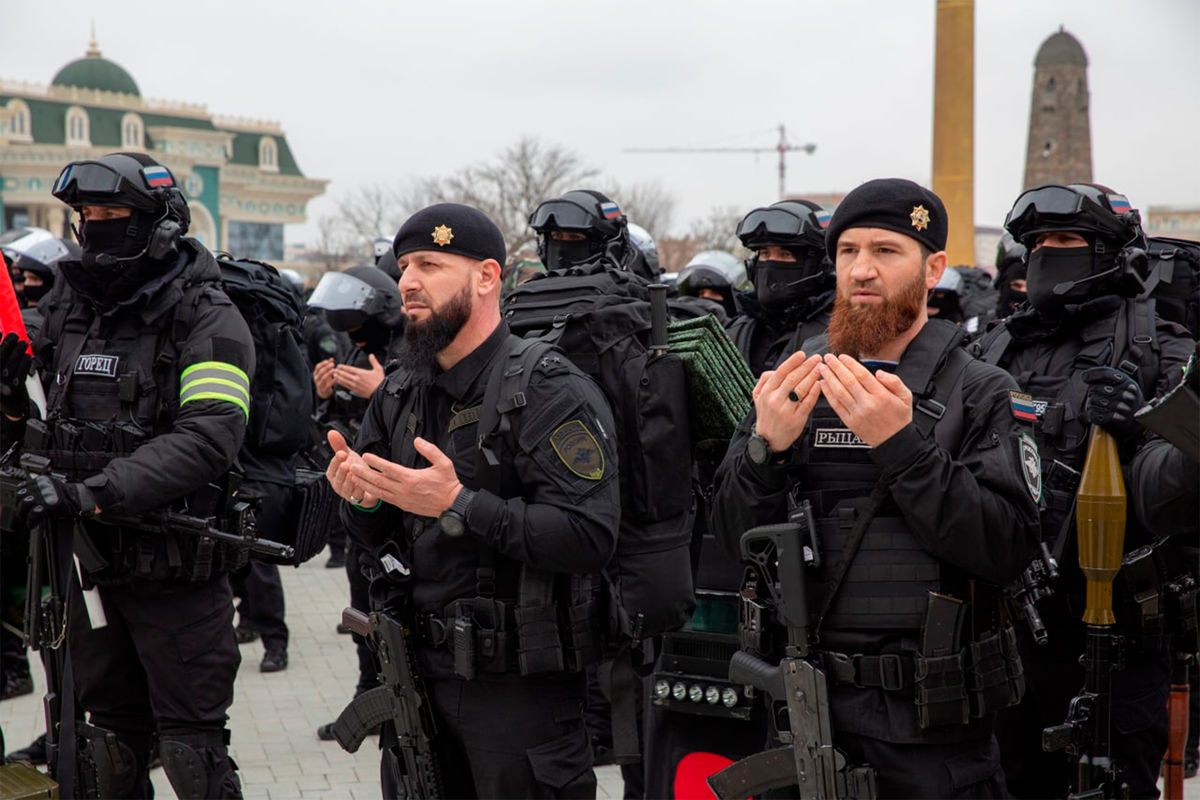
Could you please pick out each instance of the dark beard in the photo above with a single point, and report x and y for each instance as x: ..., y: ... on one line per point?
x: 424, y: 340
x: 864, y: 330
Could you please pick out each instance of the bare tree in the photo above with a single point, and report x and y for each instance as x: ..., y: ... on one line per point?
x: 645, y: 203
x: 333, y: 243
x: 371, y: 211
x: 718, y: 230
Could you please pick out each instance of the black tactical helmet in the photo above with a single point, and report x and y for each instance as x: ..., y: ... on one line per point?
x: 1009, y: 252
x: 788, y: 223
x: 711, y: 269
x: 588, y: 212
x: 1079, y: 208
x: 127, y: 180
x: 359, y: 294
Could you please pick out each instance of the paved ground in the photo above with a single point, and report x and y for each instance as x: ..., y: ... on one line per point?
x: 275, y: 717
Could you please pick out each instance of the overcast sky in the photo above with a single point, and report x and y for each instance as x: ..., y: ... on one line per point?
x: 383, y: 91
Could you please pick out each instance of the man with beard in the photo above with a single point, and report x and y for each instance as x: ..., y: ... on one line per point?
x: 1087, y: 351
x: 476, y: 534
x: 146, y: 356
x: 879, y: 428
x: 793, y: 282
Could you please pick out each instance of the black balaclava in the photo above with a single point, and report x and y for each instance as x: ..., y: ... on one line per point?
x: 374, y: 336
x: 1010, y: 299
x: 563, y: 254
x: 1077, y: 269
x: 782, y: 285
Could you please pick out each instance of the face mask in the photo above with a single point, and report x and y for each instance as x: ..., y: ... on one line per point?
x: 779, y: 285
x: 1051, y: 266
x: 560, y: 254
x: 113, y: 237
x: 32, y: 294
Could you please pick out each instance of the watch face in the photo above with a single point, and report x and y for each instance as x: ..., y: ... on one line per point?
x: 451, y: 523
x: 756, y: 449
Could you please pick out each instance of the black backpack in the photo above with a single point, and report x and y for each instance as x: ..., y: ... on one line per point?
x: 1174, y: 281
x: 601, y: 320
x: 281, y: 389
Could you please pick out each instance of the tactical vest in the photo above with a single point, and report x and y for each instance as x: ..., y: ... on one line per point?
x: 887, y: 584
x: 1126, y: 340
x: 520, y: 619
x: 117, y: 386
x: 743, y: 328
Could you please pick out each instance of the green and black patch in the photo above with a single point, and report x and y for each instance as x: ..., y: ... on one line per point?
x: 578, y: 449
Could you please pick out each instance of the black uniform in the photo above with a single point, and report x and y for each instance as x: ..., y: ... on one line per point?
x: 170, y: 365
x: 764, y: 339
x: 957, y: 512
x: 500, y: 735
x: 1048, y: 357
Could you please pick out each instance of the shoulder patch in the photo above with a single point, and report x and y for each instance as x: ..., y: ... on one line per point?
x: 578, y: 449
x: 1023, y: 406
x: 1031, y: 465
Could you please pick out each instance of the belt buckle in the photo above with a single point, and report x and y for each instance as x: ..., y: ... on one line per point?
x: 893, y: 661
x: 842, y: 667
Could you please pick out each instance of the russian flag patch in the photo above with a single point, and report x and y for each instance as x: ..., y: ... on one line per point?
x: 610, y: 210
x: 157, y: 176
x: 63, y: 179
x: 1023, y: 406
x: 823, y: 218
x: 1119, y: 203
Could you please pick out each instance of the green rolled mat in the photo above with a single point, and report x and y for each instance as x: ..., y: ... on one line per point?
x: 719, y: 381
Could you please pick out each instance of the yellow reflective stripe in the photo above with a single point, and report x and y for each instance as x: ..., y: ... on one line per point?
x: 215, y: 365
x: 219, y: 382
x: 237, y: 401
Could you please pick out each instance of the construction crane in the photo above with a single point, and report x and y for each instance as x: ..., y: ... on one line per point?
x: 783, y: 148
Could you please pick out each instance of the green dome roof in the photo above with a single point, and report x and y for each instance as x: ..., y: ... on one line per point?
x: 94, y: 72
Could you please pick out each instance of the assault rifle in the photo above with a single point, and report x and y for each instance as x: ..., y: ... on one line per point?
x: 400, y: 699
x: 239, y: 521
x: 775, y: 581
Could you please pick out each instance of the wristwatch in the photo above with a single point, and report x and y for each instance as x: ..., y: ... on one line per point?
x: 759, y: 452
x: 453, y: 520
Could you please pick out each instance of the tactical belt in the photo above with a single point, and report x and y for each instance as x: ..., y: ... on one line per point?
x: 892, y: 672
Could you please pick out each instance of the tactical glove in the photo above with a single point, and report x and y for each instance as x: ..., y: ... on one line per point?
x: 44, y: 497
x: 14, y: 369
x: 1111, y: 400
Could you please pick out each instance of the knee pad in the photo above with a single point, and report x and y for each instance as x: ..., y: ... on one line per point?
x: 108, y: 766
x: 198, y: 765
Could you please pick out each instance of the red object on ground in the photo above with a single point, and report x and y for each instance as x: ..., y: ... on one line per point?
x: 691, y: 775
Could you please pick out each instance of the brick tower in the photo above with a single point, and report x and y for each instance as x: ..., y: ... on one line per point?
x: 1060, y: 138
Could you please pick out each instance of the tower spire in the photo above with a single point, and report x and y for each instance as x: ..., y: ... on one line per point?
x: 93, y: 50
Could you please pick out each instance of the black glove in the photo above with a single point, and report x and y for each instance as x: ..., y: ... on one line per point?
x: 1111, y: 400
x: 14, y: 369
x: 45, y: 497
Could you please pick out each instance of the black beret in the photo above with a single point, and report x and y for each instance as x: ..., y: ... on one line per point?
x: 451, y: 228
x: 893, y: 204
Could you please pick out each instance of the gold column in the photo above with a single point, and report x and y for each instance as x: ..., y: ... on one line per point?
x: 954, y: 124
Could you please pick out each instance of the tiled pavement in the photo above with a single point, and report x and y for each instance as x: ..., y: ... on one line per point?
x: 275, y: 716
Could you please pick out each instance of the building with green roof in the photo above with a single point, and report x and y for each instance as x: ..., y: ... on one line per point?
x: 241, y: 180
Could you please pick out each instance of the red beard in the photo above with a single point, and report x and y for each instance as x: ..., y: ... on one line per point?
x: 863, y: 330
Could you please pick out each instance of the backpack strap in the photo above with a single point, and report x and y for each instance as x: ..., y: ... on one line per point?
x: 504, y: 394
x: 939, y: 400
x: 994, y: 345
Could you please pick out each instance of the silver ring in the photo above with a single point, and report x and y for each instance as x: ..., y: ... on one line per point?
x: 354, y: 499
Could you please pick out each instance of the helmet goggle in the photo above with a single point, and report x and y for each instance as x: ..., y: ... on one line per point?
x: 1065, y: 208
x: 564, y: 215
x: 776, y: 222
x: 84, y: 183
